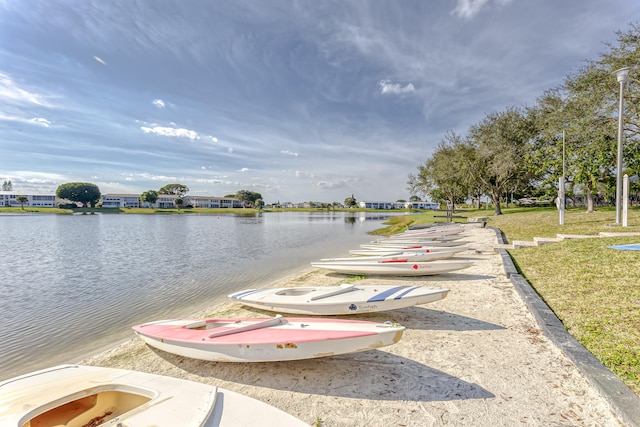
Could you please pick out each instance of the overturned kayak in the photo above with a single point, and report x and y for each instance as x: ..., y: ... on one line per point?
x: 382, y: 251
x: 266, y: 339
x: 398, y: 256
x: 87, y: 396
x: 338, y: 300
x: 395, y: 268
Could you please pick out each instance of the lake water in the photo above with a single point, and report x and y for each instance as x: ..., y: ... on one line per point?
x: 72, y: 285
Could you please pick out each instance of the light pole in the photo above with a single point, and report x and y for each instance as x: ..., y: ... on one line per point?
x: 561, y: 196
x: 622, y: 74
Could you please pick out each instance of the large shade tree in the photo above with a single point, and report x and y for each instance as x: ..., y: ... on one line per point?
x: 446, y: 175
x: 248, y: 198
x: 150, y: 197
x: 176, y: 189
x: 81, y: 192
x: 501, y: 140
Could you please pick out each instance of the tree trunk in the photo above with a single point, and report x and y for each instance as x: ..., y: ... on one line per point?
x: 590, y: 200
x: 495, y: 198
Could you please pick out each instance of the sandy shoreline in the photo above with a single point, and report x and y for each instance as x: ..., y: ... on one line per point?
x: 476, y: 358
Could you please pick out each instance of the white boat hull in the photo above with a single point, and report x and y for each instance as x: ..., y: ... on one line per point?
x: 411, y: 257
x: 403, y: 246
x: 80, y: 396
x: 396, y: 268
x: 394, y: 251
x: 338, y: 300
x: 293, y: 339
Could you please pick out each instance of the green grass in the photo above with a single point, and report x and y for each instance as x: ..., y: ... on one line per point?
x: 594, y: 290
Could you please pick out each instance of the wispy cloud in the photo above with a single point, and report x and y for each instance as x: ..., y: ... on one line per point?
x: 100, y: 60
x: 395, y: 88
x: 289, y: 153
x: 159, y: 103
x: 11, y: 91
x: 468, y: 9
x: 171, y: 132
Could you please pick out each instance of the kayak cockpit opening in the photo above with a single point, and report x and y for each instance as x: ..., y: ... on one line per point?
x: 81, y: 409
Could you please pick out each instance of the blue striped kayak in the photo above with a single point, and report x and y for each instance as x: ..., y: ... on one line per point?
x: 338, y: 300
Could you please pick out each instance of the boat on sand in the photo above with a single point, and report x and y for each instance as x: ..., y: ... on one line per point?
x: 347, y: 298
x: 395, y: 268
x: 266, y: 339
x: 88, y: 396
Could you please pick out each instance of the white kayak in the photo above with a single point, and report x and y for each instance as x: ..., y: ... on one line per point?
x: 266, y: 339
x: 82, y: 396
x: 395, y: 268
x: 402, y: 246
x: 398, y: 256
x: 382, y: 251
x: 338, y: 300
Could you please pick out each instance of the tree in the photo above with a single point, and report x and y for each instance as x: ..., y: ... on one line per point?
x: 259, y: 204
x: 444, y: 176
x: 149, y: 196
x: 22, y: 200
x: 501, y: 140
x: 7, y: 186
x: 248, y: 198
x: 350, y: 202
x: 178, y: 202
x: 82, y: 192
x: 177, y: 189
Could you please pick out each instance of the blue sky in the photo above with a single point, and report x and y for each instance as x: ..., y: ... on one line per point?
x: 296, y: 100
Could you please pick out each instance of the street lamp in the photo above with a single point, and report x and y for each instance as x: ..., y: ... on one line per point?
x: 622, y: 74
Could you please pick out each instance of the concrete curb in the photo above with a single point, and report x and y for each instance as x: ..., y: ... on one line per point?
x: 625, y: 403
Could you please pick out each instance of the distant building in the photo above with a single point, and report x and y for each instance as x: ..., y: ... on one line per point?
x: 398, y: 205
x: 166, y: 201
x: 8, y: 199
x: 423, y: 205
x: 381, y: 205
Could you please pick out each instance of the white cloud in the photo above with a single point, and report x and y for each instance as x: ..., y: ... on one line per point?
x: 230, y: 149
x: 387, y: 87
x: 159, y: 103
x: 244, y: 170
x: 10, y: 90
x: 174, y: 132
x: 467, y: 9
x: 100, y: 60
x: 289, y: 153
x: 39, y: 120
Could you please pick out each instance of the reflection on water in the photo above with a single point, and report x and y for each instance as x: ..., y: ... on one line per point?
x: 74, y: 283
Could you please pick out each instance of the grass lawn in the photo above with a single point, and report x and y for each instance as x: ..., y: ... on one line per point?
x: 594, y: 290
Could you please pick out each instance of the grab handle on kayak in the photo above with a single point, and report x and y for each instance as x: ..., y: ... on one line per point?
x: 345, y: 287
x: 278, y: 320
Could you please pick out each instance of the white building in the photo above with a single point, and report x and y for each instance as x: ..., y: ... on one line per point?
x: 8, y: 199
x: 166, y: 201
x: 398, y: 205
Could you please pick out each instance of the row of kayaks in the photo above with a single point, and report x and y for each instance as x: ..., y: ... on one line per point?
x: 81, y: 396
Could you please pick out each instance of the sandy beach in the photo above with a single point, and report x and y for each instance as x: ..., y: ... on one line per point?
x: 476, y: 358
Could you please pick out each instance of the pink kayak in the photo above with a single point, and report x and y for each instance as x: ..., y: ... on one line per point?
x: 266, y: 340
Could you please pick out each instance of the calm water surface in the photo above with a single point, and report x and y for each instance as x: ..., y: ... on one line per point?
x: 72, y: 285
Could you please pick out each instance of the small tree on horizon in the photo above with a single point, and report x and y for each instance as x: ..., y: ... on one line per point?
x: 22, y: 200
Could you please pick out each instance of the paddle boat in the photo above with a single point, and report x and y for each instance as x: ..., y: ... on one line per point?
x: 266, y: 340
x: 338, y: 300
x: 395, y: 268
x: 88, y: 396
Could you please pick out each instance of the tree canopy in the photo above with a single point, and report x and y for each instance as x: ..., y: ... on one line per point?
x: 149, y: 196
x: 248, y: 198
x: 571, y: 132
x: 177, y: 189
x: 81, y: 192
